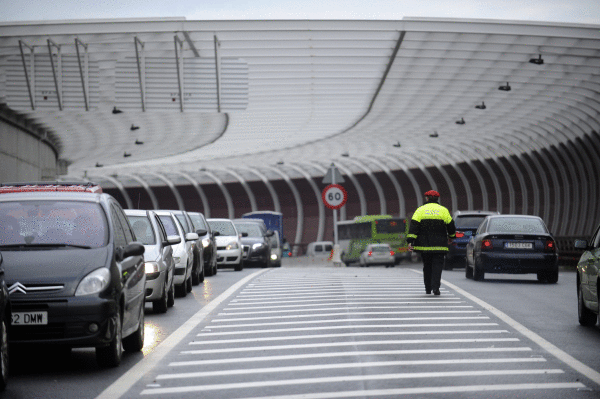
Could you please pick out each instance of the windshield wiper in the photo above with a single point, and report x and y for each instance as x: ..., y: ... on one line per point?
x: 54, y: 245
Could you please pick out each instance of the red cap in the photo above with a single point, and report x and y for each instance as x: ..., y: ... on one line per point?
x: 432, y: 193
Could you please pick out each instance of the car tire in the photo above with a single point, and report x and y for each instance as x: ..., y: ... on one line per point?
x: 239, y: 267
x: 3, y: 355
x: 189, y: 284
x: 181, y: 290
x: 198, y: 277
x: 135, y: 342
x: 468, y: 270
x: 210, y: 271
x: 171, y: 295
x: 586, y: 317
x: 478, y: 273
x: 215, y: 269
x: 111, y: 355
x: 161, y: 305
x: 552, y: 277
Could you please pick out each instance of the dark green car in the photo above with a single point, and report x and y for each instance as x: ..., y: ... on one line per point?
x: 587, y: 280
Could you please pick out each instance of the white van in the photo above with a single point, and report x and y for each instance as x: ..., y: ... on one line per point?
x: 320, y: 249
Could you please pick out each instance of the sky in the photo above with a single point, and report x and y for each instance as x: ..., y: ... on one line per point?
x: 569, y: 11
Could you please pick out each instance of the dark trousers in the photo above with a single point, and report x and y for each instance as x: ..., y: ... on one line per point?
x: 433, y: 263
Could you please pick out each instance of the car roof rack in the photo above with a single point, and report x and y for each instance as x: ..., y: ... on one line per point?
x: 45, y: 186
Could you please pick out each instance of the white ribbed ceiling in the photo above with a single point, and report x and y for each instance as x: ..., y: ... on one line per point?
x: 304, y: 92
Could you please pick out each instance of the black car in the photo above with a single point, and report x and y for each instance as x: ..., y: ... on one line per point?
x: 467, y: 223
x: 75, y: 273
x: 517, y: 244
x: 209, y: 243
x: 5, y: 312
x: 256, y: 243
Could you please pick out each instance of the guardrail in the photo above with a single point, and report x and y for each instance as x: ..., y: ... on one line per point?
x: 568, y: 255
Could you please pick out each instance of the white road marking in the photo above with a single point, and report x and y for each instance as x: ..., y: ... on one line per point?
x: 360, y: 334
x: 312, y: 309
x: 336, y: 366
x: 370, y: 377
x: 546, y: 345
x: 273, y: 305
x: 352, y: 343
x: 122, y: 385
x: 346, y: 327
x: 331, y: 301
x: 324, y: 355
x: 299, y: 316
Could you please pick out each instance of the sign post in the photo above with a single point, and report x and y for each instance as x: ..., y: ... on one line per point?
x: 334, y: 197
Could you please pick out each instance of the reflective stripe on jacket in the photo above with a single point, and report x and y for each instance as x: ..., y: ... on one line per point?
x: 430, y: 228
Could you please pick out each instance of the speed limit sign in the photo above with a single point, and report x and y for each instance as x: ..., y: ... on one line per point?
x: 334, y: 196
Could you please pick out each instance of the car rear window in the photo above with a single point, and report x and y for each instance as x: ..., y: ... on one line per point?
x: 143, y: 230
x: 225, y: 228
x: 469, y: 222
x: 53, y: 222
x: 380, y: 248
x: 516, y: 225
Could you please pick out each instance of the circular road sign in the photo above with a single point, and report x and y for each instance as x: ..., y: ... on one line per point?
x: 334, y: 196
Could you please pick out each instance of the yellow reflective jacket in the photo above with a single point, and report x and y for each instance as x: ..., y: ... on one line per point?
x: 430, y: 228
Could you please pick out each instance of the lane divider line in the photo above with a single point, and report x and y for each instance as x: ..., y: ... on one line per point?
x: 558, y: 353
x: 127, y: 380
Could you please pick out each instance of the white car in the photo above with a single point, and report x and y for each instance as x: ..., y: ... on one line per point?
x: 158, y: 257
x: 229, y: 245
x: 182, y: 252
x: 377, y: 254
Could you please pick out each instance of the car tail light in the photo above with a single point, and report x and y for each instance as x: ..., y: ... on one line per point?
x: 550, y: 246
x: 392, y: 253
x: 370, y: 253
x: 290, y: 254
x: 460, y: 234
x: 486, y: 245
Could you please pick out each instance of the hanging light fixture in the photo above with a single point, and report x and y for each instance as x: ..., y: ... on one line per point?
x: 481, y: 106
x: 537, y: 61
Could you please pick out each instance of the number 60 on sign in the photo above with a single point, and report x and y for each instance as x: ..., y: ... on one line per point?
x: 334, y: 196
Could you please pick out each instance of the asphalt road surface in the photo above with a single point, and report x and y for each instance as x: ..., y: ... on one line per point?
x: 310, y: 330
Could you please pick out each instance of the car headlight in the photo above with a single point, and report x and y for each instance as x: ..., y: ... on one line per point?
x: 256, y: 246
x: 273, y: 256
x: 151, y: 267
x: 94, y: 282
x: 205, y: 242
x: 232, y: 245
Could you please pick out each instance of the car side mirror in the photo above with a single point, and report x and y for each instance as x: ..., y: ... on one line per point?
x: 270, y: 233
x: 133, y: 249
x: 172, y: 240
x: 216, y: 233
x: 191, y: 237
x: 201, y: 232
x: 581, y: 244
x: 244, y: 234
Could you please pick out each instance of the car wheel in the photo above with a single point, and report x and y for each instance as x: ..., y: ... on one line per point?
x: 468, y: 270
x: 239, y: 267
x: 110, y: 355
x: 215, y: 269
x: 181, y: 290
x: 198, y: 276
x: 586, y: 316
x: 188, y: 284
x: 201, y: 275
x: 171, y: 295
x: 3, y: 355
x: 135, y: 342
x: 552, y: 277
x: 208, y: 272
x: 161, y: 305
x: 478, y: 273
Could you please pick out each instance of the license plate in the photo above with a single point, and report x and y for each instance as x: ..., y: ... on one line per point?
x: 519, y: 245
x: 29, y: 318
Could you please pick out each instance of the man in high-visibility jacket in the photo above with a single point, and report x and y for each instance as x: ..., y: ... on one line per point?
x: 431, y: 231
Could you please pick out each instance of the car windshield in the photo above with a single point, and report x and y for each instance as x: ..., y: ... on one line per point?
x: 252, y: 229
x: 198, y: 222
x: 224, y: 227
x: 516, y: 225
x: 51, y: 222
x: 469, y: 222
x: 143, y: 230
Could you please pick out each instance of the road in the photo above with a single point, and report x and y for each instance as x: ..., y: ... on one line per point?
x: 323, y: 332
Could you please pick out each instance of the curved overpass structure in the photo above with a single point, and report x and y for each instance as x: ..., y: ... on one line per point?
x: 226, y: 117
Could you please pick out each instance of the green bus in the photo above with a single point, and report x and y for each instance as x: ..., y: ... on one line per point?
x: 355, y: 235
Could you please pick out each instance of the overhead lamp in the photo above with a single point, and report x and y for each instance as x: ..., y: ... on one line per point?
x: 116, y: 111
x: 398, y: 144
x: 280, y: 163
x: 537, y: 61
x: 139, y: 142
x: 133, y: 127
x: 202, y: 169
x: 482, y: 106
x: 461, y: 121
x: 345, y: 154
x: 99, y: 165
x: 434, y: 134
x: 126, y: 154
x: 505, y: 88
